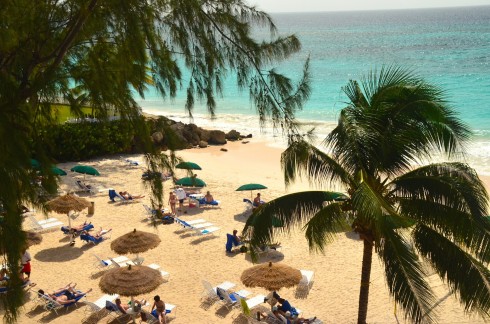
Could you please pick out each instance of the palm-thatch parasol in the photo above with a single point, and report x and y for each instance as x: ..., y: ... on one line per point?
x: 271, y: 276
x: 66, y: 203
x: 135, y: 242
x: 131, y: 281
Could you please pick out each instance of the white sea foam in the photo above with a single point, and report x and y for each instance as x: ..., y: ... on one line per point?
x: 477, y: 154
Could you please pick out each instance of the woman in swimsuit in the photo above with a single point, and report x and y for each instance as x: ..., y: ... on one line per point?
x: 159, y: 305
x: 172, y: 201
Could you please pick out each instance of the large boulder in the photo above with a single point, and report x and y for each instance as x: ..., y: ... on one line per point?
x: 233, y: 135
x: 205, y: 135
x: 217, y: 137
x: 203, y: 144
x: 157, y: 137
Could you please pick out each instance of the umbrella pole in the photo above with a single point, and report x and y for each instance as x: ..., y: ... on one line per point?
x: 133, y: 313
x: 69, y: 227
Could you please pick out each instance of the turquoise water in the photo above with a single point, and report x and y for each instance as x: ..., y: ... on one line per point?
x: 448, y: 47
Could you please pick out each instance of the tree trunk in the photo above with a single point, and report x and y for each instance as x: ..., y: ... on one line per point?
x: 367, y: 259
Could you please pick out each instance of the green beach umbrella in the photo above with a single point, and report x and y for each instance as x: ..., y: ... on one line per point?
x: 57, y: 171
x: 188, y: 166
x: 85, y: 169
x: 251, y: 186
x: 35, y: 164
x: 190, y: 182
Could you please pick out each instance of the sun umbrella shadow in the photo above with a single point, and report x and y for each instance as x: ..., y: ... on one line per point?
x: 58, y: 254
x: 272, y: 256
x: 243, y: 216
x: 222, y: 311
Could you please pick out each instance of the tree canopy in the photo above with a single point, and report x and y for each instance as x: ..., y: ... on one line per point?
x: 102, y: 53
x: 413, y: 216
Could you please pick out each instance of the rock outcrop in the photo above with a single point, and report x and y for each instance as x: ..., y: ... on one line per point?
x: 167, y: 133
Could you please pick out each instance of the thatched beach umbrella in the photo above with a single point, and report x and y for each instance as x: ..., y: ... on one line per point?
x: 65, y: 204
x: 130, y: 281
x: 135, y: 242
x: 271, y: 276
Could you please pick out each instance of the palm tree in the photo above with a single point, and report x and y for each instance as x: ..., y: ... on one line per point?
x: 412, y: 216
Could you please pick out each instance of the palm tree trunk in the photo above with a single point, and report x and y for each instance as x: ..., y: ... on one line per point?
x: 367, y: 259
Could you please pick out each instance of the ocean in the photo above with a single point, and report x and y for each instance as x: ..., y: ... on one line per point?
x: 449, y: 47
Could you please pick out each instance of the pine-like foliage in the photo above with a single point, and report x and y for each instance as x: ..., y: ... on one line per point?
x: 433, y: 214
x: 98, y: 53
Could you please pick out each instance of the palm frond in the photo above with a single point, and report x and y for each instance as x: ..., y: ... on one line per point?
x: 370, y: 207
x: 455, y: 185
x: 405, y: 275
x: 302, y: 158
x: 323, y: 226
x: 472, y: 232
x: 466, y: 276
x: 291, y: 210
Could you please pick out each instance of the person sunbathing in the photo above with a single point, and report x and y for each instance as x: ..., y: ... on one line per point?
x: 124, y: 307
x: 66, y: 295
x: 127, y: 196
x: 76, y: 228
x: 209, y: 197
x: 101, y: 232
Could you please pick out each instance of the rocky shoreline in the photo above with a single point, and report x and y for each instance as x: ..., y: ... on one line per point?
x: 166, y: 132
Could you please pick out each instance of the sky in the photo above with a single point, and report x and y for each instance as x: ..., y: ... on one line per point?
x: 350, y: 5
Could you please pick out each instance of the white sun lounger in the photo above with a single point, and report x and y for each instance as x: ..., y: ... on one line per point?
x: 45, y: 225
x: 165, y: 274
x: 206, y: 231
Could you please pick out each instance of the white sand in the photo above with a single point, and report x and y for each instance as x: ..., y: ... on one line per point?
x: 190, y: 259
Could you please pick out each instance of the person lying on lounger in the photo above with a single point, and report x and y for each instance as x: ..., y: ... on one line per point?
x: 209, y: 197
x: 126, y: 195
x: 66, y: 295
x: 99, y: 233
x: 77, y: 228
x: 124, y: 307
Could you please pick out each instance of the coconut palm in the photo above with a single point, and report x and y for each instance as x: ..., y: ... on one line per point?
x: 412, y: 216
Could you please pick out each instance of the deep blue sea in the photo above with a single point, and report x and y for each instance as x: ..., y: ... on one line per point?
x: 449, y: 47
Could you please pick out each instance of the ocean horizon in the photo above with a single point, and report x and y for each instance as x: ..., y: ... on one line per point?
x: 449, y: 47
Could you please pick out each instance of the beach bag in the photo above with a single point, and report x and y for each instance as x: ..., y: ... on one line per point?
x: 167, y: 220
x: 243, y: 249
x: 144, y: 318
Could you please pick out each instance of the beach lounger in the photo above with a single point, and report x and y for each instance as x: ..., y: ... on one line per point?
x: 67, y: 230
x: 152, y: 318
x: 164, y: 274
x: 210, y: 292
x: 307, y: 280
x: 121, y: 261
x: 94, y: 240
x: 53, y: 305
x: 50, y: 224
x: 85, y: 187
x: 203, y: 202
x: 97, y: 306
x: 189, y: 222
x: 101, y: 264
x: 114, y: 195
x: 228, y: 299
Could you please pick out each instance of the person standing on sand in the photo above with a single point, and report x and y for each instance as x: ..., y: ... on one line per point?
x: 172, y: 201
x: 26, y: 264
x: 181, y: 195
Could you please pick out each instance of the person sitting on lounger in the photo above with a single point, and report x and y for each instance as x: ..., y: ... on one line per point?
x: 126, y: 195
x: 159, y: 307
x: 209, y: 197
x: 124, y: 307
x: 258, y: 201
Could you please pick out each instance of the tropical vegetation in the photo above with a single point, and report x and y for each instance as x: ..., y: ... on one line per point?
x: 102, y: 53
x: 414, y: 216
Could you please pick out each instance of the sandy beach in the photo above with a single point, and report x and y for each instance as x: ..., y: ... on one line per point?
x: 190, y: 259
